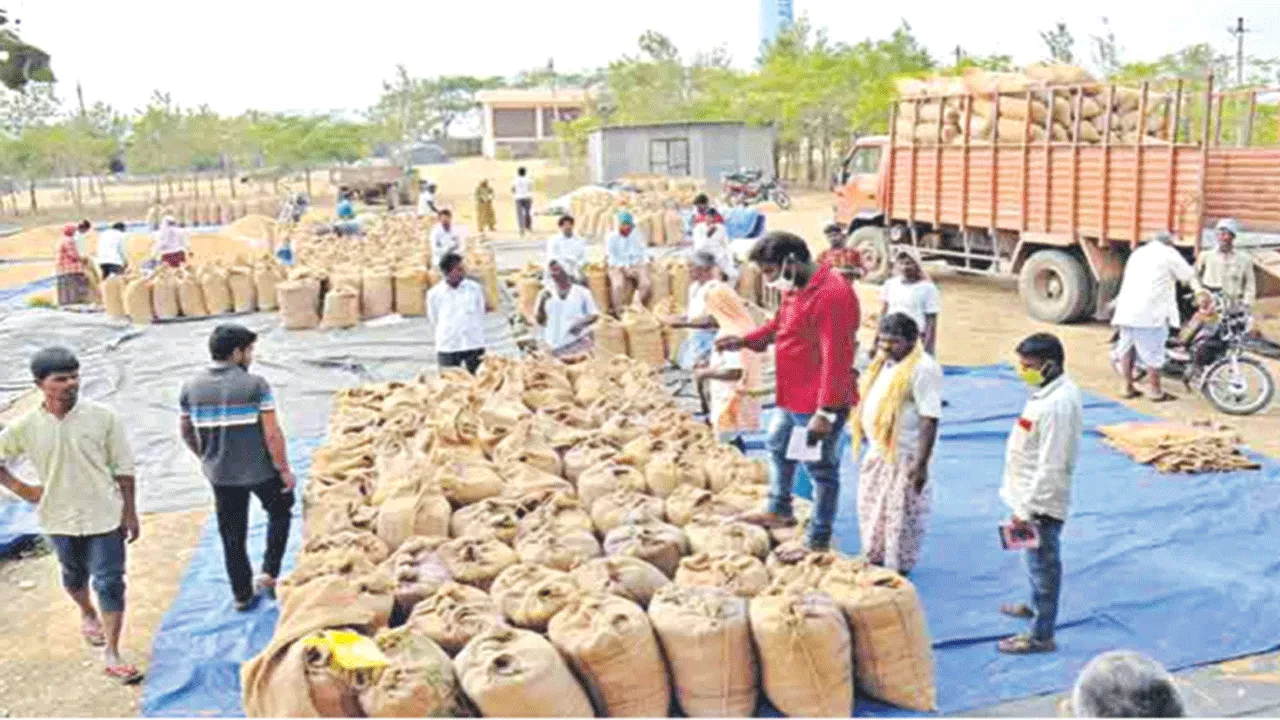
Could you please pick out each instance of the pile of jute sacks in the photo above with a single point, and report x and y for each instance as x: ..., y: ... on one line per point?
x: 934, y: 108
x: 215, y: 288
x: 546, y: 539
x: 655, y: 205
x: 337, y: 282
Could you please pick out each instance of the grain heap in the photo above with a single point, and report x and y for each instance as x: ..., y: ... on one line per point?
x: 1175, y: 447
x: 536, y: 523
x: 192, y: 291
x: 940, y: 108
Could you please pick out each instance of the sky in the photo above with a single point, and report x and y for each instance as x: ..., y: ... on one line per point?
x: 318, y: 56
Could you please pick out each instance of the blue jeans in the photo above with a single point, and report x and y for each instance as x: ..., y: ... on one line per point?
x: 825, y: 473
x: 100, y: 557
x: 1045, y: 564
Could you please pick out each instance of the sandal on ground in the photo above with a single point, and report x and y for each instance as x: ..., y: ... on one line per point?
x: 246, y: 605
x: 768, y: 520
x: 1025, y: 645
x: 1017, y: 610
x: 1132, y: 395
x: 265, y: 586
x: 1164, y: 397
x: 125, y: 673
x: 92, y: 633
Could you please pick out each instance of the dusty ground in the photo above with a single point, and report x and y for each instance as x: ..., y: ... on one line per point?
x: 981, y: 322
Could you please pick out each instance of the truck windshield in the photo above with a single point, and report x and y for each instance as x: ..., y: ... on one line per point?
x: 866, y: 161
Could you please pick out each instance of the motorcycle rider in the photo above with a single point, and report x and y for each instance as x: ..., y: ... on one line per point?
x: 1225, y: 269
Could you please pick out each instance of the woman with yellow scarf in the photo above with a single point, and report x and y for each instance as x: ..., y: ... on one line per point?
x: 733, y: 377
x: 898, y: 422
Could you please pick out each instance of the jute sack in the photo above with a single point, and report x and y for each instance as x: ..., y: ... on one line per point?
x: 749, y: 283
x: 529, y: 595
x: 419, y: 682
x: 610, y: 643
x: 299, y: 301
x: 377, y: 293
x: 366, y: 543
x: 657, y: 543
x: 587, y: 454
x: 620, y: 575
x: 667, y: 471
x: 527, y: 291
x: 673, y: 225
x: 454, y: 614
x: 806, y: 653
x: 496, y: 517
x: 469, y: 481
x: 561, y: 513
x: 712, y: 534
x: 422, y: 512
x: 644, y: 336
x: 707, y: 640
x: 625, y: 506
x: 477, y: 561
x: 893, y: 654
x: 164, y: 295
x: 113, y: 297
x: 741, y: 574
x: 745, y: 498
x: 793, y: 565
x: 524, y: 479
x: 604, y: 478
x: 190, y: 296
x: 728, y: 467
x: 686, y: 502
x: 610, y: 337
x: 528, y: 446
x: 679, y: 271
x: 597, y: 278
x: 560, y: 550
x: 410, y: 291
x: 243, y: 292
x: 217, y: 290
x: 509, y: 672
x: 341, y: 309
x: 661, y: 277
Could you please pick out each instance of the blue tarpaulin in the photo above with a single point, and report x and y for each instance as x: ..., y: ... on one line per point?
x: 18, y: 524
x: 1177, y: 566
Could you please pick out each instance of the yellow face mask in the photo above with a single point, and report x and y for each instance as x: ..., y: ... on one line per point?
x: 1031, y: 376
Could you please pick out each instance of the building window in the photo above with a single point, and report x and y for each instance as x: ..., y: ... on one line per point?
x: 669, y: 157
x: 515, y: 123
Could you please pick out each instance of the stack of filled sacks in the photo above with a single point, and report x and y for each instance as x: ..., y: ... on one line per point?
x: 940, y: 108
x: 192, y: 291
x: 547, y: 539
x: 656, y: 213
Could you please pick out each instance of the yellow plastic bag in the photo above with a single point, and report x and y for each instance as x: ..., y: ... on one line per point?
x: 349, y: 650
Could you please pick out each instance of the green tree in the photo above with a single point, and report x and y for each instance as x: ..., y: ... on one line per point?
x: 1060, y: 43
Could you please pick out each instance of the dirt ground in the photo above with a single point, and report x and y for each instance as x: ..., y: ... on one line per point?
x: 981, y: 321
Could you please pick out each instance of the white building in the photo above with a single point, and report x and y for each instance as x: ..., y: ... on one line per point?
x: 520, y: 120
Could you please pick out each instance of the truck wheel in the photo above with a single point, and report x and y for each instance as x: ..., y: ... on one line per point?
x: 872, y: 243
x: 1055, y: 287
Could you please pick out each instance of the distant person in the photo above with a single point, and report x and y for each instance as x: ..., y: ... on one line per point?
x: 345, y: 210
x: 85, y: 499
x: 1040, y: 459
x: 912, y: 293
x: 444, y: 239
x: 565, y: 312
x: 229, y: 421
x: 733, y: 378
x: 898, y: 425
x: 704, y: 275
x: 111, y: 251
x: 628, y: 259
x: 701, y: 206
x: 1225, y: 269
x: 1146, y: 308
x: 455, y: 308
x: 427, y: 199
x: 82, y: 237
x: 1121, y: 684
x: 709, y: 236
x: 171, y: 243
x: 846, y: 260
x: 812, y: 335
x: 72, y: 281
x: 568, y: 248
x: 522, y: 190
x: 486, y: 219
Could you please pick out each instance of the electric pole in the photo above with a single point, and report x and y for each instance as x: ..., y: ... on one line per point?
x: 959, y: 54
x: 1239, y: 31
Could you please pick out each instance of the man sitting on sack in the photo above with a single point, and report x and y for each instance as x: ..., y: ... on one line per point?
x: 628, y: 262
x: 565, y: 312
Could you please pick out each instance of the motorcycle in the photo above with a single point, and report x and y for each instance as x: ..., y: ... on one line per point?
x: 747, y: 187
x: 1219, y: 361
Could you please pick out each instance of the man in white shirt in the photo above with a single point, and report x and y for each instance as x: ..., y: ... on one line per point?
x: 455, y: 308
x: 443, y: 238
x: 427, y: 199
x: 1040, y: 459
x: 565, y: 312
x: 522, y: 189
x: 898, y: 418
x: 110, y: 257
x: 1146, y: 307
x: 567, y: 248
x: 912, y: 293
x: 709, y: 236
x: 1225, y: 269
x: 628, y: 262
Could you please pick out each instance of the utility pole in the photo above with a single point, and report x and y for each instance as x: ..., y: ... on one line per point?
x: 959, y: 54
x: 1239, y: 31
x: 80, y: 97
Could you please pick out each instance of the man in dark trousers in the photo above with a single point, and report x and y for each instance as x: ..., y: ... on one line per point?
x: 229, y: 421
x: 813, y: 335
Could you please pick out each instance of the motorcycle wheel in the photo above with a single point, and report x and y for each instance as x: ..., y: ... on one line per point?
x: 1242, y: 386
x: 781, y: 199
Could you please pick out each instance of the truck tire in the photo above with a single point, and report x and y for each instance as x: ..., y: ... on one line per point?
x: 872, y: 243
x: 1055, y: 287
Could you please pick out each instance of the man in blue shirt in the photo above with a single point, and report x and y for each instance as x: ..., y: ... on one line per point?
x: 628, y: 262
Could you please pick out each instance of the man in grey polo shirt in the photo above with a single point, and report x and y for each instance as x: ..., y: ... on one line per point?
x: 229, y: 421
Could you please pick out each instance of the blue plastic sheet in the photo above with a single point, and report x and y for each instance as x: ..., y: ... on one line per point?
x: 744, y: 222
x: 12, y: 298
x: 1179, y: 567
x: 18, y: 524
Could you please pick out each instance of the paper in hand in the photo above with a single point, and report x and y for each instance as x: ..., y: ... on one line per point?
x: 799, y: 449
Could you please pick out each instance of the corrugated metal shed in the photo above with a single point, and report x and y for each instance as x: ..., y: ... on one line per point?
x: 703, y: 150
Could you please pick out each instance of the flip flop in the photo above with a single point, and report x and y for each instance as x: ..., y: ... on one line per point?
x: 1025, y: 645
x: 1166, y: 397
x: 1132, y: 395
x: 1017, y: 610
x: 93, y: 634
x: 125, y: 673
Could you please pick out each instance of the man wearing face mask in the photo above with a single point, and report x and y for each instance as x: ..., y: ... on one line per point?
x: 229, y: 421
x: 1039, y: 461
x: 813, y: 335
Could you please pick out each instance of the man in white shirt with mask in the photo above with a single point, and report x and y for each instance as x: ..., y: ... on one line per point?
x: 455, y: 308
x: 444, y: 239
x: 567, y: 248
x: 1146, y: 308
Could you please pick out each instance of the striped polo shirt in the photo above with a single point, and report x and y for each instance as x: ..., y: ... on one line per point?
x: 225, y: 404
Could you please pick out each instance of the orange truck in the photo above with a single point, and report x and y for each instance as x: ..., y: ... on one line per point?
x: 1061, y: 214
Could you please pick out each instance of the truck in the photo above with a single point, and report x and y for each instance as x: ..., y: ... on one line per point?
x: 1062, y: 215
x: 377, y: 184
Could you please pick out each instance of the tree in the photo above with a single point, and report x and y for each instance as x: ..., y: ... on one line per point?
x: 1106, y: 51
x: 451, y: 96
x: 158, y: 145
x: 1060, y: 43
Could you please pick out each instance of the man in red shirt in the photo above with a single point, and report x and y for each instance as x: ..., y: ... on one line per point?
x: 813, y: 335
x: 846, y: 260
